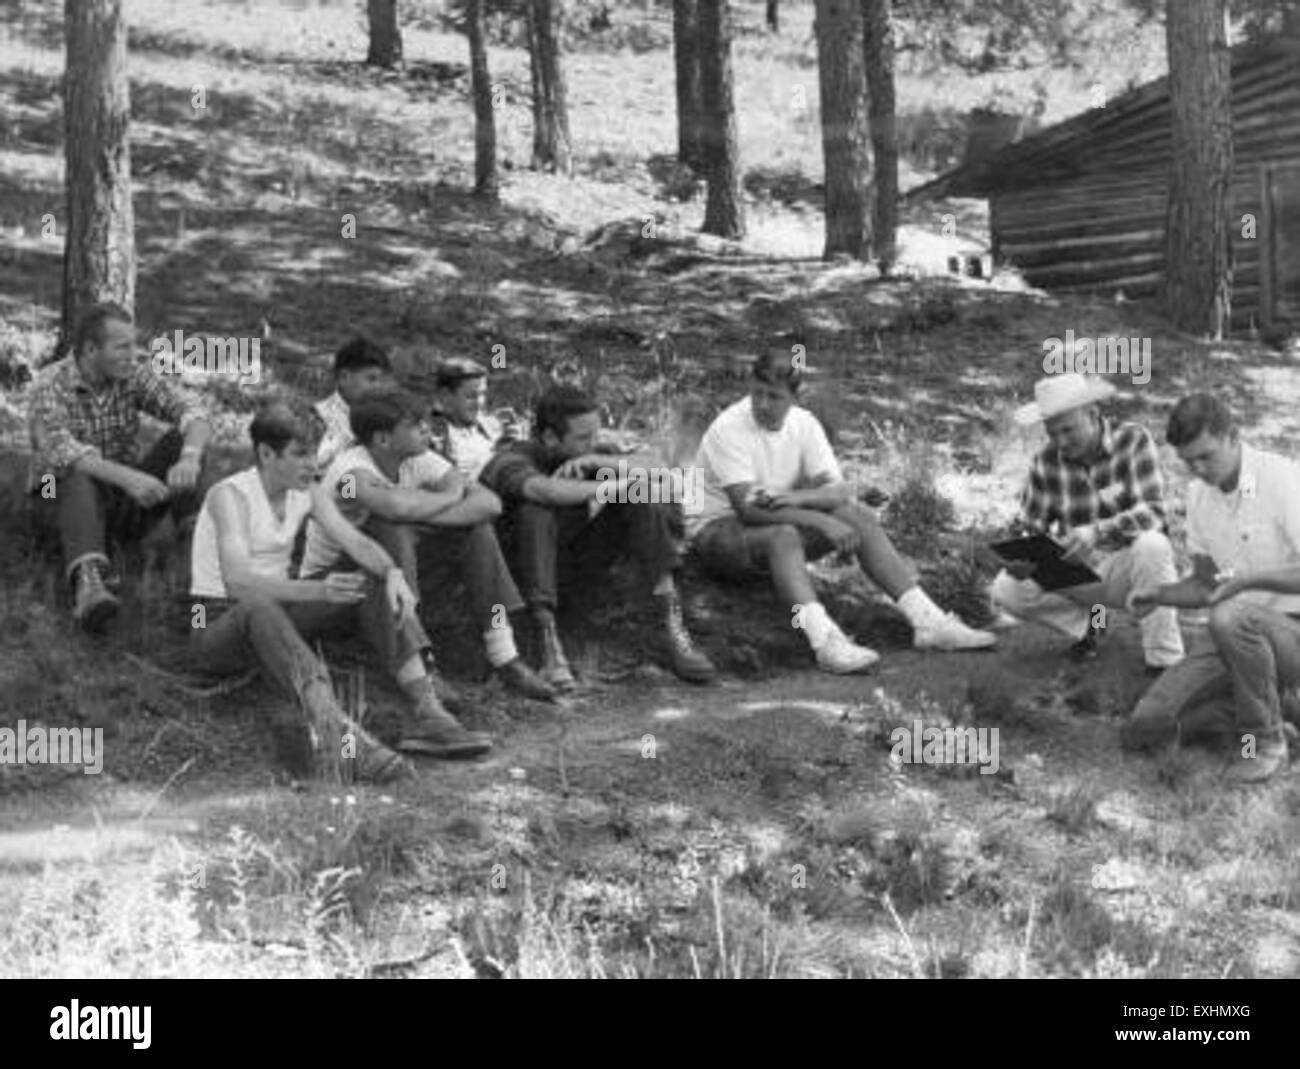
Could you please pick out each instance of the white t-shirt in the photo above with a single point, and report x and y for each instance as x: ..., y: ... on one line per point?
x: 270, y: 540
x: 415, y: 472
x: 735, y: 449
x: 1255, y: 527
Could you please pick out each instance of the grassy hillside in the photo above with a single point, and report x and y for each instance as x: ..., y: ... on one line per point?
x: 753, y: 828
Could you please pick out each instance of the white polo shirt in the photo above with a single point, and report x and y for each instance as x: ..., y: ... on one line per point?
x: 1254, y: 528
x: 735, y: 449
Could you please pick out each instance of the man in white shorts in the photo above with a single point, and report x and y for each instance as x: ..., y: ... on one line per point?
x: 772, y: 497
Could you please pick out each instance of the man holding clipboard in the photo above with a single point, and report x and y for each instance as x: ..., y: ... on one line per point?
x: 1098, y: 486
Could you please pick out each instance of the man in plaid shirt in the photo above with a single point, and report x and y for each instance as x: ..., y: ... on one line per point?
x: 84, y: 419
x: 1097, y: 486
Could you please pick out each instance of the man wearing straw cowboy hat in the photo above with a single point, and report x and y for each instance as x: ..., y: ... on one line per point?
x: 1097, y: 487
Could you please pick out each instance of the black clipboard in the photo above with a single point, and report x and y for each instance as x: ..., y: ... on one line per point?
x: 1054, y: 572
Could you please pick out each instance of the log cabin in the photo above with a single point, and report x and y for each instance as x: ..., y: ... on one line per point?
x: 1080, y: 206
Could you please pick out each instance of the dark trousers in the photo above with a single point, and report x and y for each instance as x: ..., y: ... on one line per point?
x: 275, y: 636
x: 424, y: 552
x: 90, y: 514
x: 552, y: 548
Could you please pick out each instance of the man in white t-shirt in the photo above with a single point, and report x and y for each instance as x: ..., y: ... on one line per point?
x: 772, y: 495
x: 408, y: 498
x: 1243, y: 536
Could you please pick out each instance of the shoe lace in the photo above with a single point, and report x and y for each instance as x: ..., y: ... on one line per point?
x: 677, y: 633
x: 91, y: 578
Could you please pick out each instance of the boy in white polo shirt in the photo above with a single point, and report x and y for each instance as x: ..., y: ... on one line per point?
x: 772, y: 495
x: 1243, y: 535
x: 390, y: 484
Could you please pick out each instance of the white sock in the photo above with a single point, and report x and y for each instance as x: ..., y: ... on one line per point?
x: 500, y: 645
x: 818, y: 627
x: 920, y: 611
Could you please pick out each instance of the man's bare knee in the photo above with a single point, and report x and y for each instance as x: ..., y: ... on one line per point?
x: 782, y: 540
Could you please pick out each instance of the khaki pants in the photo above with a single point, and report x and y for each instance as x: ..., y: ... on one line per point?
x: 1233, y: 676
x: 1149, y: 561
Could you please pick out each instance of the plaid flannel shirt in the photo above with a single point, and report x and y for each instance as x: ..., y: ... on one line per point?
x: 68, y: 421
x: 1120, y: 490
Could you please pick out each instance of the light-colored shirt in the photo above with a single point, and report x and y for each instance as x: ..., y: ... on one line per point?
x: 735, y: 449
x: 468, y: 446
x: 270, y: 540
x: 415, y: 472
x: 1254, y: 528
x: 338, y: 436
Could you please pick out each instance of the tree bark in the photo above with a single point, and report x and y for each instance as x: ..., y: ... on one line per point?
x: 686, y: 60
x: 385, y: 37
x: 878, y: 59
x: 774, y: 16
x: 552, y: 148
x: 1198, y: 266
x: 845, y: 133
x: 99, y: 251
x: 722, y: 207
x: 485, y: 125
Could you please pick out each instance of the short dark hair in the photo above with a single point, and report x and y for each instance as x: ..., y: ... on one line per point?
x: 276, y: 423
x: 451, y: 373
x: 359, y: 353
x: 558, y: 405
x: 90, y: 326
x: 382, y: 410
x: 776, y: 367
x: 1197, y: 414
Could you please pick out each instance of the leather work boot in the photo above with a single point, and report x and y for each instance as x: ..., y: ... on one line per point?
x: 523, y: 680
x: 688, y: 662
x: 1271, y: 757
x: 449, y: 694
x: 94, y: 606
x: 555, y: 671
x: 434, y: 732
x: 374, y: 762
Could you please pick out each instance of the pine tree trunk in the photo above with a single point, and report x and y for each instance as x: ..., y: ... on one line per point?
x: 686, y: 60
x: 385, y: 37
x: 1198, y: 267
x: 551, y: 145
x: 845, y: 133
x: 485, y: 125
x: 99, y: 251
x: 878, y: 53
x: 722, y: 208
x: 774, y: 16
